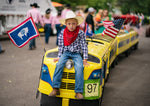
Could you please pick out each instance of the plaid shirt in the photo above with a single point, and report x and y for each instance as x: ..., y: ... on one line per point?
x: 78, y: 46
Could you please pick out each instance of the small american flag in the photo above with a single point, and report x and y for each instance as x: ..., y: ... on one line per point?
x: 108, y: 23
x: 112, y: 31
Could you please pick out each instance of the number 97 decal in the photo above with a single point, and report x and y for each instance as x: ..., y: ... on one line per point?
x: 91, y: 89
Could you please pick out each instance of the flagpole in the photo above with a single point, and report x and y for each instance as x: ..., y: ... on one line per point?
x: 42, y: 43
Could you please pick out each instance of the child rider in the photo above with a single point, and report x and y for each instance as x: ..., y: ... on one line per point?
x: 71, y: 42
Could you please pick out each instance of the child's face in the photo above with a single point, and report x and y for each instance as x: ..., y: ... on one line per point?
x: 71, y: 24
x: 105, y: 12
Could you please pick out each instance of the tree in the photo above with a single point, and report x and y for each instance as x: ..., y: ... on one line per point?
x: 135, y: 6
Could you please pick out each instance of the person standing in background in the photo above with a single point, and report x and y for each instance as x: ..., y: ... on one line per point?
x: 35, y: 14
x: 99, y: 15
x: 89, y: 19
x: 80, y: 13
x: 56, y: 23
x: 1, y: 51
x: 64, y: 12
x: 100, y: 25
x: 47, y: 20
x: 142, y: 18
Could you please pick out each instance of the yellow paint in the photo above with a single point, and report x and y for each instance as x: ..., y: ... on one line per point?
x: 65, y: 102
x: 100, y: 48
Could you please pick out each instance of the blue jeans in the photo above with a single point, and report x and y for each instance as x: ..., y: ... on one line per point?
x: 32, y: 43
x: 47, y: 29
x: 78, y: 65
x: 58, y: 28
x: 0, y: 48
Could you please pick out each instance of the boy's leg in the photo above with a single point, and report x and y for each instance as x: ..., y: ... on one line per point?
x: 59, y: 70
x: 58, y: 74
x: 79, y: 78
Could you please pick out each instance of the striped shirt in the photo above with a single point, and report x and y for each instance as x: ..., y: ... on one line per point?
x: 78, y: 46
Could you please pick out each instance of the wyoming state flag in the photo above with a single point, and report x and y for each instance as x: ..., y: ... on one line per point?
x: 23, y: 33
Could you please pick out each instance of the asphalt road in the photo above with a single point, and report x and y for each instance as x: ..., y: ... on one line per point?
x: 128, y: 83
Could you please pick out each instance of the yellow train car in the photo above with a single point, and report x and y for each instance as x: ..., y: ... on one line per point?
x: 94, y: 75
x: 102, y: 53
x: 127, y: 41
x: 134, y: 39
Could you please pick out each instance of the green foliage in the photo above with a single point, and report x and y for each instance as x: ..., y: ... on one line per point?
x: 135, y: 6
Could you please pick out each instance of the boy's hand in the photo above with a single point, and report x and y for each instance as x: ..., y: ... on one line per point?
x: 56, y: 59
x: 85, y: 63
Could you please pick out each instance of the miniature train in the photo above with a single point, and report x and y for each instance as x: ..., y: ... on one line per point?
x: 103, y: 52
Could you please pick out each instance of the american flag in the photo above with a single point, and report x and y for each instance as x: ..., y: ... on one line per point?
x: 112, y: 31
x: 107, y: 23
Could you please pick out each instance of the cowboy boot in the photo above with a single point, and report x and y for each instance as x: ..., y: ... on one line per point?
x: 79, y: 96
x: 54, y: 92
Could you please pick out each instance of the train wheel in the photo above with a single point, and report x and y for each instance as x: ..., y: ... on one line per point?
x: 113, y: 64
x: 135, y: 47
x: 107, y: 78
x: 116, y: 60
x: 127, y: 53
x: 50, y: 101
x: 100, y: 101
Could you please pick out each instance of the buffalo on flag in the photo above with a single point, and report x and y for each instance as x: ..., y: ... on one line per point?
x: 88, y: 30
x: 112, y: 31
x: 23, y: 33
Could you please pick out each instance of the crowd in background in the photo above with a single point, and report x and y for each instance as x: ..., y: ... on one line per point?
x: 51, y: 24
x: 89, y: 15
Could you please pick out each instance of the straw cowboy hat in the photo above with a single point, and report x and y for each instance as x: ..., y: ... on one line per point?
x: 69, y: 15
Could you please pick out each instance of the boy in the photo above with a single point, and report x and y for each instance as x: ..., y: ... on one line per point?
x: 72, y: 42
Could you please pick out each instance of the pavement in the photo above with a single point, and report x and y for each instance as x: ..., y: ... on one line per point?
x: 128, y: 83
x: 19, y: 72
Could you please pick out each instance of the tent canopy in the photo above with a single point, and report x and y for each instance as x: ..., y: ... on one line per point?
x: 55, y: 4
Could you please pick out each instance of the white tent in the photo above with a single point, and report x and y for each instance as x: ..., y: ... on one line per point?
x: 12, y: 12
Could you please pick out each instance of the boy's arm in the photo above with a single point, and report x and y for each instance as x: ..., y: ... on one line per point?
x: 56, y: 59
x: 85, y: 63
x: 60, y: 46
x: 84, y: 45
x: 84, y: 50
